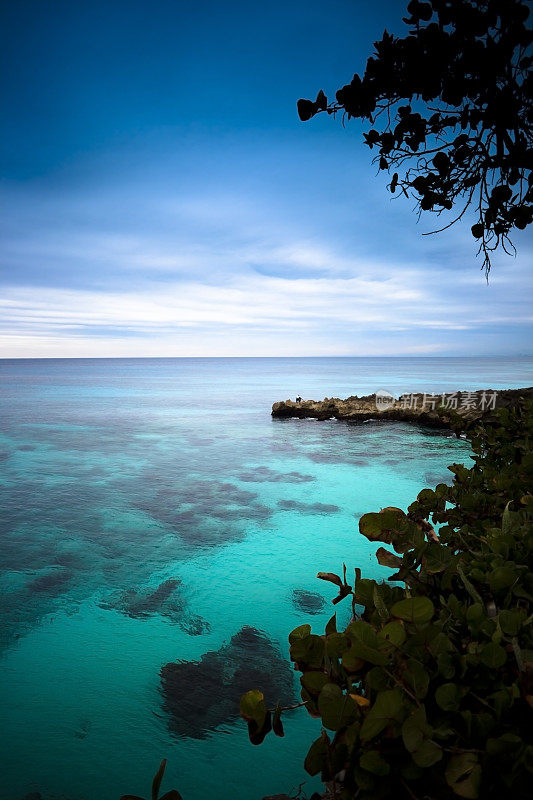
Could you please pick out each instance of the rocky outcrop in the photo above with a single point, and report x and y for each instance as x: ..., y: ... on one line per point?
x: 434, y: 410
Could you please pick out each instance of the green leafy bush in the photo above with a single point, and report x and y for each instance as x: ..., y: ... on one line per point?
x: 428, y: 692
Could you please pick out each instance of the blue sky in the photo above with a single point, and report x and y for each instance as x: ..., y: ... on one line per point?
x: 160, y: 196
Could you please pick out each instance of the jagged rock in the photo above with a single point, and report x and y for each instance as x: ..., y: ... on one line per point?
x: 424, y: 409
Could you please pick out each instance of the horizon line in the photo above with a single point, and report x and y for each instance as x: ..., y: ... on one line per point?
x: 249, y: 358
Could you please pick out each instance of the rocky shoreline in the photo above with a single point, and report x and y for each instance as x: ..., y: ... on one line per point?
x: 433, y: 410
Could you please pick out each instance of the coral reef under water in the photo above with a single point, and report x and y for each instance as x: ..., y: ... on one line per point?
x: 166, y: 599
x: 308, y: 602
x: 198, y: 696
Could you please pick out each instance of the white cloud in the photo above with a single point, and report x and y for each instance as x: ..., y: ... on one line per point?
x: 219, y: 275
x: 249, y: 314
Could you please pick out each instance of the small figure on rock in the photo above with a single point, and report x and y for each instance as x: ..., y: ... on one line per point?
x: 298, y: 399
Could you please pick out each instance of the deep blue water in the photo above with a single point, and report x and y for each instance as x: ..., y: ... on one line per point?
x: 121, y: 476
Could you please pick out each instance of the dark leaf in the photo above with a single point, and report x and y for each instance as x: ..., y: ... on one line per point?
x: 417, y: 610
x: 277, y: 725
x: 463, y: 775
x: 306, y: 109
x: 331, y: 577
x: 156, y: 783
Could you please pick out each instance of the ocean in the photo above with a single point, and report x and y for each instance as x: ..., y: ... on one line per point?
x: 153, y: 513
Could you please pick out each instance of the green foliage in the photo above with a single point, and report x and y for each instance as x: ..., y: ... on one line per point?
x: 450, y: 106
x: 156, y: 784
x: 428, y: 692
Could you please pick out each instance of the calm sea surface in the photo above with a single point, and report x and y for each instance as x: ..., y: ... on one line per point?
x: 153, y: 512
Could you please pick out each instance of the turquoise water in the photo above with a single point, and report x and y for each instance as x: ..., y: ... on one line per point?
x: 151, y: 510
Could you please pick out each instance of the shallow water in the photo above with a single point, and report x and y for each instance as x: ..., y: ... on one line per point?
x: 151, y: 510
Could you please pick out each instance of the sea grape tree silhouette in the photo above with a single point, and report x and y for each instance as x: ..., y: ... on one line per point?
x: 451, y: 110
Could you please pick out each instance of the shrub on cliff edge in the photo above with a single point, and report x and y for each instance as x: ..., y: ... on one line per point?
x: 428, y: 692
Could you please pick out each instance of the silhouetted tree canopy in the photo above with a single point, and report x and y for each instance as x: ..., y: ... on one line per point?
x: 451, y: 109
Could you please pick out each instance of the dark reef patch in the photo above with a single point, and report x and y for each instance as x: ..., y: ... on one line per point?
x: 308, y: 602
x: 332, y: 457
x: 267, y: 475
x: 198, y: 696
x: 433, y: 478
x: 166, y: 599
x: 141, y: 603
x: 308, y: 508
x: 83, y: 729
x: 194, y: 511
x: 194, y: 625
x: 51, y: 583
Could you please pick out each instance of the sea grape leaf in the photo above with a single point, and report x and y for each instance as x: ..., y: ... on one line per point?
x: 317, y: 756
x: 415, y: 729
x: 379, y: 603
x: 384, y: 525
x: 336, y: 644
x: 374, y: 762
x: 511, y: 621
x: 510, y: 520
x: 252, y: 707
x: 301, y: 632
x: 365, y: 643
x: 417, y: 610
x: 508, y: 743
x: 387, y: 708
x: 310, y: 704
x: 392, y: 634
x: 426, y: 496
x: 493, y: 655
x: 377, y: 679
x: 331, y: 577
x: 331, y: 625
x: 314, y: 682
x: 336, y: 709
x: 448, y: 697
x: 446, y: 665
x: 277, y: 724
x: 351, y: 661
x: 417, y: 678
x: 256, y: 732
x: 388, y: 559
x: 475, y: 616
x: 501, y: 578
x: 364, y: 592
x: 436, y: 558
x: 158, y: 777
x: 363, y: 780
x: 308, y: 650
x: 427, y: 754
x: 463, y: 775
